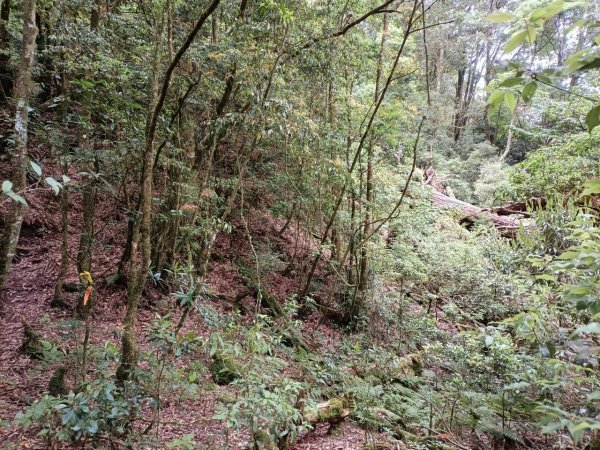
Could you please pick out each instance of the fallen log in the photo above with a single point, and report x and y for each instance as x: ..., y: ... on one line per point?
x: 507, y: 225
x: 332, y: 412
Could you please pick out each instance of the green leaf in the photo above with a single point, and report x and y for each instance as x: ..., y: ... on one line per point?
x: 529, y: 91
x: 515, y: 41
x: 592, y: 119
x: 489, y: 340
x: 55, y: 185
x: 7, y: 186
x: 591, y: 187
x: 531, y: 34
x: 546, y: 277
x: 510, y: 82
x: 586, y: 59
x: 496, y: 98
x: 591, y: 328
x: 511, y: 100
x: 36, y: 168
x: 500, y: 17
x: 547, y: 11
x: 17, y: 198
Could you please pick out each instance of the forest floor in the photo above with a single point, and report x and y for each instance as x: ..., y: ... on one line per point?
x: 28, y: 295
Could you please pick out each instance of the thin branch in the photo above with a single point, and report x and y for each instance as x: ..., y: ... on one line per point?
x: 381, y: 8
x: 404, y: 190
x: 591, y: 99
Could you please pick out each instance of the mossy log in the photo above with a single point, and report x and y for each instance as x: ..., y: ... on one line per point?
x: 409, y: 366
x: 333, y: 411
x: 507, y: 225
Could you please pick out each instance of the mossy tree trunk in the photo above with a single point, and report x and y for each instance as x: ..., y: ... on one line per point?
x: 141, y: 239
x: 19, y: 159
x: 6, y: 80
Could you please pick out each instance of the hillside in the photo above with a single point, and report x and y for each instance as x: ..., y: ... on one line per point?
x: 299, y: 224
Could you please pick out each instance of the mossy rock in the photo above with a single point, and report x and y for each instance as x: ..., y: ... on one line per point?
x: 224, y: 369
x: 57, y: 385
x: 33, y: 342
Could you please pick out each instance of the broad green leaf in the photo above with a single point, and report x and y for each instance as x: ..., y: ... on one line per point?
x: 531, y: 34
x: 55, y: 185
x: 511, y: 100
x: 586, y: 59
x: 500, y: 17
x: 547, y: 11
x: 36, y: 168
x: 591, y: 187
x: 529, y: 91
x: 496, y: 98
x: 592, y: 119
x: 489, y: 340
x: 7, y: 186
x: 515, y: 41
x: 591, y: 328
x: 545, y: 277
x: 510, y: 82
x: 17, y: 198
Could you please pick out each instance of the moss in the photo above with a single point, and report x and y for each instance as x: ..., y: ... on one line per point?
x: 57, y: 385
x: 33, y: 342
x: 224, y: 369
x: 331, y: 411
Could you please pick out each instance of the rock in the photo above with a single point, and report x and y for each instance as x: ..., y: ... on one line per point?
x: 224, y: 369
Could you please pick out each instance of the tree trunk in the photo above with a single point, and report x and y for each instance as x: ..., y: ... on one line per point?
x: 364, y: 257
x: 141, y: 239
x: 506, y: 225
x: 14, y: 219
x: 6, y: 81
x: 86, y: 239
x: 64, y: 254
x: 510, y: 133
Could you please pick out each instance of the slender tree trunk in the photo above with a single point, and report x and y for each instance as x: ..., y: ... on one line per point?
x: 364, y: 257
x: 64, y: 254
x: 14, y: 219
x: 141, y: 239
x: 457, y: 103
x: 86, y: 239
x: 357, y: 153
x: 439, y: 85
x: 510, y: 133
x: 6, y: 80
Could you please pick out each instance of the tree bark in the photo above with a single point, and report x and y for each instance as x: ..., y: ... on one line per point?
x: 6, y: 81
x: 14, y: 219
x: 506, y: 225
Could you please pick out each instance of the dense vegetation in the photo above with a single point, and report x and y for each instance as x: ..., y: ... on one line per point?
x: 300, y: 224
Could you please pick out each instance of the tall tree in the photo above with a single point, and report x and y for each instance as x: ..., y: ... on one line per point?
x: 141, y: 247
x: 19, y: 158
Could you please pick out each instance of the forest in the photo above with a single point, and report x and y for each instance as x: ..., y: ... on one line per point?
x: 300, y: 224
